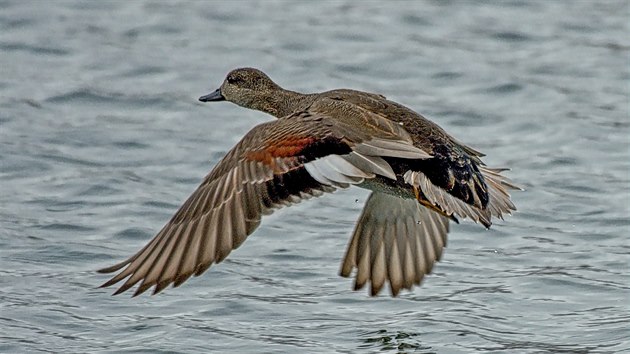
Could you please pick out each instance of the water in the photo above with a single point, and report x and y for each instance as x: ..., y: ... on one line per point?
x: 101, y: 139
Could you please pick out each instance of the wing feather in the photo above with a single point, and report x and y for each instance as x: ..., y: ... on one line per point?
x: 396, y: 241
x: 276, y: 164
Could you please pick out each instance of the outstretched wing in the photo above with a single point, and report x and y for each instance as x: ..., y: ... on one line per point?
x: 396, y: 240
x: 276, y: 164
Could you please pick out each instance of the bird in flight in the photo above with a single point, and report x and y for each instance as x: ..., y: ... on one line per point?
x: 420, y: 178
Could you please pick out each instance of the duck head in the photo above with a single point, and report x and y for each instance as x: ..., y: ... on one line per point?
x: 246, y: 87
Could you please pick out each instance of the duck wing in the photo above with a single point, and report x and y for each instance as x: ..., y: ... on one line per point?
x: 277, y: 163
x: 397, y: 241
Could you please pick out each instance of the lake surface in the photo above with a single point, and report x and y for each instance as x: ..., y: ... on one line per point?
x: 102, y: 138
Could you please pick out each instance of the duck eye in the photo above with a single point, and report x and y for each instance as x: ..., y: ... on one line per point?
x: 233, y: 79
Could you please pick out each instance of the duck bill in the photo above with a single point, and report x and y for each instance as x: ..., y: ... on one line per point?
x: 212, y: 97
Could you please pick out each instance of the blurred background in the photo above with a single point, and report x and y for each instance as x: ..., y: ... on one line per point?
x: 102, y: 138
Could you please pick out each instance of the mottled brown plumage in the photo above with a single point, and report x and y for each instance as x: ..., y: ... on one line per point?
x: 419, y: 175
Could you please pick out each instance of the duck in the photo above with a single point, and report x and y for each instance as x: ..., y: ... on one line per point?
x: 421, y: 179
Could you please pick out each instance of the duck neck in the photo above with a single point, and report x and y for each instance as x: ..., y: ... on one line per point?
x: 280, y: 103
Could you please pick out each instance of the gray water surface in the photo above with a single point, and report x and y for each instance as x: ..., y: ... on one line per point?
x: 102, y: 138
